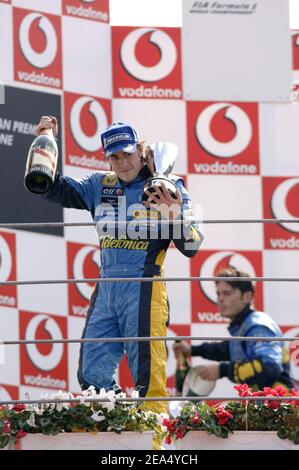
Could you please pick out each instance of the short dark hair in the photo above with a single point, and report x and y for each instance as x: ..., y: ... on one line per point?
x: 243, y: 286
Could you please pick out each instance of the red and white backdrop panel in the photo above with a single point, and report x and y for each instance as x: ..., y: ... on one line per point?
x: 238, y: 158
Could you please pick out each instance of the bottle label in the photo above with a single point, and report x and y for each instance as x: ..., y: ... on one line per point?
x: 41, y: 157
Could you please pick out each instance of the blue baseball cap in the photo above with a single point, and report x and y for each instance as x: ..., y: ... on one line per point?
x: 119, y: 136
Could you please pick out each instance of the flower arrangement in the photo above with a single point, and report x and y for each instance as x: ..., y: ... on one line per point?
x: 85, y: 416
x: 252, y: 415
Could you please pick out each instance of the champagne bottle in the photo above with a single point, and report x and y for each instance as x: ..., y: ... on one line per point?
x: 182, y: 369
x: 41, y: 163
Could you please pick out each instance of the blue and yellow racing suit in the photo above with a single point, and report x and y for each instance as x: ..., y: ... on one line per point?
x: 259, y: 364
x: 126, y: 309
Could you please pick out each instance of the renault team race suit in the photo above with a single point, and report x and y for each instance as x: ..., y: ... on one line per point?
x: 126, y: 309
x: 259, y: 364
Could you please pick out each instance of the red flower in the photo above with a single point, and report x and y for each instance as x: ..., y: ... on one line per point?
x: 268, y: 391
x: 21, y: 434
x: 257, y: 394
x: 170, y: 424
x: 6, y: 427
x: 222, y: 415
x: 273, y: 404
x: 294, y: 393
x: 168, y: 439
x: 19, y: 407
x: 243, y: 390
x: 196, y: 419
x: 180, y: 432
x: 281, y: 390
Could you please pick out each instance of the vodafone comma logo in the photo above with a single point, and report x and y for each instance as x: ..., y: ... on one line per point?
x: 42, y: 361
x: 239, y: 120
x: 83, y: 262
x: 38, y: 48
x: 8, y: 294
x: 222, y: 260
x: 47, y: 55
x: 285, y: 203
x: 281, y: 201
x: 223, y: 138
x: 143, y: 57
x: 295, y: 38
x: 293, y: 349
x: 88, y: 117
x: 43, y: 365
x: 89, y: 143
x: 207, y: 264
x: 9, y: 392
x: 5, y: 260
x: 167, y: 52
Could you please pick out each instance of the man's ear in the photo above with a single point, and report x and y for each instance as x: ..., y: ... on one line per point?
x: 248, y: 297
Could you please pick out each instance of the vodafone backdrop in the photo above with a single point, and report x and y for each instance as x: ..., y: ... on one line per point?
x: 238, y: 153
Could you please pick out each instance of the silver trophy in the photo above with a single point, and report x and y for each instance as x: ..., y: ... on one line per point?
x: 164, y: 154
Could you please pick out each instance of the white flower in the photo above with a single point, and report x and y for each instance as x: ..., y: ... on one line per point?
x: 161, y: 417
x: 135, y: 394
x: 92, y: 390
x: 111, y: 395
x: 31, y: 421
x: 97, y: 416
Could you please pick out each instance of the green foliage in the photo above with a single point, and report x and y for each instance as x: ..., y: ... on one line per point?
x: 52, y: 419
x: 252, y: 415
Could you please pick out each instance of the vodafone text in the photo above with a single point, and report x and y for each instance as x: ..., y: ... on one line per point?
x: 225, y: 168
x: 7, y: 301
x: 88, y: 162
x: 283, y: 243
x: 39, y: 79
x: 79, y: 311
x: 211, y: 317
x: 149, y: 92
x: 44, y: 381
x: 89, y: 12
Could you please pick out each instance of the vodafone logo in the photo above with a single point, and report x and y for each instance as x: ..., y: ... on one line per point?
x: 83, y: 256
x: 86, y: 104
x: 44, y: 362
x: 210, y: 143
x: 4, y: 395
x: 156, y: 38
x: 294, y: 352
x: 46, y: 57
x: 5, y: 260
x: 285, y: 202
x: 217, y: 261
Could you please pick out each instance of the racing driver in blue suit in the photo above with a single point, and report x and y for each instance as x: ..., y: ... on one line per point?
x: 128, y: 309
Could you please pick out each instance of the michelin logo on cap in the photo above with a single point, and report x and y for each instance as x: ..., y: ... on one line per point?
x: 116, y: 138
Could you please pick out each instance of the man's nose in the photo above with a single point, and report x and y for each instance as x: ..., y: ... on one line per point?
x: 123, y: 163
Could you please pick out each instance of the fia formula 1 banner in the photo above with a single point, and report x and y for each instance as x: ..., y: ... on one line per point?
x: 238, y: 50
